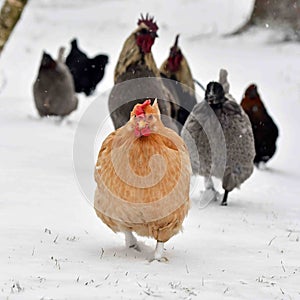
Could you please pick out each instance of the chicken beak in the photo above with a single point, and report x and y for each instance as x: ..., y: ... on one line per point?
x: 142, y: 128
x: 141, y: 124
x: 210, y: 99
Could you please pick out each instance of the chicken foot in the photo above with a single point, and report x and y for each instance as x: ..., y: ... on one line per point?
x: 131, y: 241
x: 159, y: 252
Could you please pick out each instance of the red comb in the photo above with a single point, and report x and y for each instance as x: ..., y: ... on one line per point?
x: 149, y: 22
x: 139, y: 110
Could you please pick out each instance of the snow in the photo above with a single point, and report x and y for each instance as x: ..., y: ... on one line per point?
x: 52, y: 244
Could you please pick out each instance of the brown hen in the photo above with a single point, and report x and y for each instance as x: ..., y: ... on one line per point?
x: 143, y: 177
x: 176, y: 68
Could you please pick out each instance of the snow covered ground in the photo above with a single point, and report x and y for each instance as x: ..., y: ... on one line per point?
x: 52, y: 244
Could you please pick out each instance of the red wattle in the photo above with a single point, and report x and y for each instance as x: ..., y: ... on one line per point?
x: 146, y: 131
x: 143, y: 132
x: 137, y: 132
x: 145, y: 42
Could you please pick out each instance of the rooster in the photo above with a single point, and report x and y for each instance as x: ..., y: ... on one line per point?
x: 143, y: 177
x: 176, y: 67
x: 53, y: 89
x: 136, y: 62
x: 219, y: 134
x: 264, y: 129
x: 87, y: 72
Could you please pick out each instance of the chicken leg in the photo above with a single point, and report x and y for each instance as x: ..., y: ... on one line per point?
x: 209, y: 194
x: 131, y: 241
x: 208, y: 183
x: 224, y: 201
x: 159, y: 252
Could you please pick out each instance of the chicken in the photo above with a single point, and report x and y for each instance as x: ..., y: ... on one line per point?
x: 143, y: 177
x: 86, y: 72
x: 264, y: 129
x: 136, y: 62
x: 176, y: 67
x: 220, y: 140
x: 53, y: 89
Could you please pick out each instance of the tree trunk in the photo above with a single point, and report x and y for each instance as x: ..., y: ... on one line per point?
x: 9, y: 16
x: 282, y: 14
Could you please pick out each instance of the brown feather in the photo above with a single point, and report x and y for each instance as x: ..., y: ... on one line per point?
x: 131, y: 54
x: 143, y: 183
x: 133, y: 64
x: 185, y: 92
x: 183, y: 75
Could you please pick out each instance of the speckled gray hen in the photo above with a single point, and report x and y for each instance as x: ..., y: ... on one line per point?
x: 220, y: 139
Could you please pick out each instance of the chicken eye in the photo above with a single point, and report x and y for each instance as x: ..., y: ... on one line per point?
x: 150, y: 117
x: 143, y: 31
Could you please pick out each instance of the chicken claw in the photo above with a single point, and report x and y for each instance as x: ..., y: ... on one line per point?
x: 209, y: 194
x: 135, y: 247
x: 162, y: 259
x: 158, y: 253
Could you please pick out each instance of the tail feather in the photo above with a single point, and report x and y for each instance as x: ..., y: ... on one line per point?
x: 61, y: 52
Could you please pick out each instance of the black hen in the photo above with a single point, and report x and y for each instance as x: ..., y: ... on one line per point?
x: 86, y: 72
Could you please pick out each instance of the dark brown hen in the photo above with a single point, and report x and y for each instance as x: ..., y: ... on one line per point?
x: 265, y: 130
